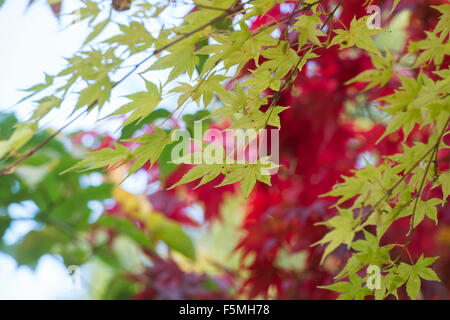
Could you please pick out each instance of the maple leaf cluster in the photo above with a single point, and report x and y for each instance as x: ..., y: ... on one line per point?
x: 319, y: 144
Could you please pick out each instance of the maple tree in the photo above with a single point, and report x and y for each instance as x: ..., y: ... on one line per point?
x: 363, y: 180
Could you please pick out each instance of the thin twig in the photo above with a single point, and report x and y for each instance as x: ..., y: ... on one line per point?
x: 419, y: 193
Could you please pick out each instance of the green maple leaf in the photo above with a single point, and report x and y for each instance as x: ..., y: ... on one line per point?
x: 279, y: 61
x: 409, y: 156
x: 434, y: 48
x: 135, y: 37
x: 257, y: 119
x: 210, y: 87
x: 402, y: 97
x: 245, y: 47
x: 101, y: 158
x: 306, y: 26
x: 207, y: 172
x: 38, y: 87
x: 171, y: 233
x: 45, y: 106
x: 358, y: 35
x: 247, y: 174
x: 353, y: 290
x: 143, y: 103
x: 91, y: 11
x: 444, y: 21
x: 152, y: 145
x: 262, y: 80
x: 401, y: 106
x: 21, y: 135
x: 187, y: 91
x: 379, y: 76
x: 353, y: 186
x: 97, y: 93
x: 205, y: 89
x: 181, y: 59
x: 369, y: 252
x: 413, y: 273
x: 426, y: 208
x: 273, y: 116
x: 343, y: 231
x: 352, y: 266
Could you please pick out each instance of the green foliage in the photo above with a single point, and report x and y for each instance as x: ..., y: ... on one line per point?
x: 38, y: 182
x: 413, y: 273
x: 378, y: 76
x: 142, y: 105
x: 383, y: 194
x: 247, y: 174
x: 134, y: 37
x: 63, y: 224
x: 125, y: 226
x: 306, y: 26
x: 350, y: 290
x: 343, y: 231
x: 359, y: 35
x: 207, y: 35
x: 103, y: 157
x: 444, y: 22
x: 150, y: 148
x: 21, y: 135
x: 172, y: 234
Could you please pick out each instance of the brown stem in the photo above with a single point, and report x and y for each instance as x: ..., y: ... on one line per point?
x: 419, y: 195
